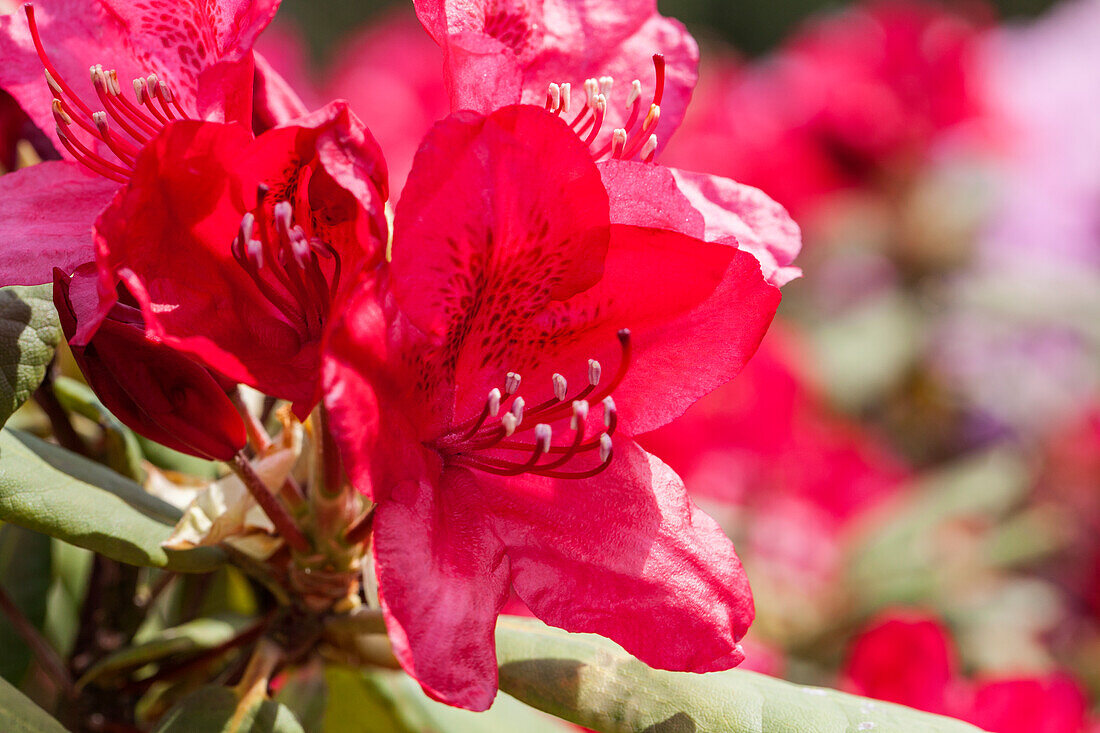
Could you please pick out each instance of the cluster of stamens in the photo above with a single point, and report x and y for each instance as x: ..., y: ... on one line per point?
x: 507, y: 425
x: 627, y: 142
x: 283, y: 262
x: 155, y: 107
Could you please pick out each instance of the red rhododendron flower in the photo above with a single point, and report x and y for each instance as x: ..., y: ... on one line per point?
x: 498, y: 52
x: 391, y: 75
x: 852, y: 94
x: 792, y: 474
x: 151, y: 387
x: 905, y: 658
x: 186, y: 59
x: 486, y: 397
x: 256, y: 241
x: 909, y: 658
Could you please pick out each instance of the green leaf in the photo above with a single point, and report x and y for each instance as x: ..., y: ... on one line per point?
x: 25, y: 577
x: 122, y: 447
x: 590, y: 681
x: 378, y: 701
x: 56, y: 492
x: 213, y: 709
x: 185, y: 639
x: 29, y: 332
x: 19, y: 715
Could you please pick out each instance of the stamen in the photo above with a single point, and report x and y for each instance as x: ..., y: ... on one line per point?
x: 553, y: 98
x: 509, y: 422
x: 561, y: 387
x: 92, y: 161
x: 618, y: 142
x: 594, y: 372
x: 635, y: 93
x: 511, y: 383
x: 126, y: 152
x: 565, y: 97
x: 597, y: 120
x: 606, y: 82
x: 580, y: 414
x: 517, y: 410
x: 605, y: 448
x: 610, y: 416
x: 648, y: 149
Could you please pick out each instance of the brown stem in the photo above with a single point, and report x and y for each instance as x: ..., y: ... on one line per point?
x: 47, y: 657
x: 261, y: 442
x: 275, y: 511
x: 63, y: 429
x: 360, y: 531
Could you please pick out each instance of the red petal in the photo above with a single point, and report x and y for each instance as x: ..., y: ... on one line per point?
x: 47, y: 220
x: 501, y: 215
x: 443, y: 578
x: 625, y: 555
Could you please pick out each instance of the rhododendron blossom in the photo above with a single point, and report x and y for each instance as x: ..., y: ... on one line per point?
x: 185, y: 60
x: 485, y: 391
x: 258, y: 238
x: 579, y: 57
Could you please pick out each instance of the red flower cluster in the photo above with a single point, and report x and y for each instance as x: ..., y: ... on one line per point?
x: 548, y: 294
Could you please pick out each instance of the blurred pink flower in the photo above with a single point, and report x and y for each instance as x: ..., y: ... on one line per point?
x: 392, y: 75
x: 794, y: 474
x: 851, y: 96
x: 909, y: 658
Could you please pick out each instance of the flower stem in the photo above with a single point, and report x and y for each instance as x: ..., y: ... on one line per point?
x: 43, y: 652
x: 275, y: 511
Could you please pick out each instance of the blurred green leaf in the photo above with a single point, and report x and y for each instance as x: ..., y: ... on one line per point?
x: 172, y: 460
x: 379, y: 701
x: 185, y: 639
x: 590, y: 681
x: 29, y: 332
x: 866, y: 351
x: 25, y: 577
x: 19, y: 715
x: 213, y: 709
x: 56, y: 492
x: 71, y: 571
x: 917, y: 546
x: 122, y: 447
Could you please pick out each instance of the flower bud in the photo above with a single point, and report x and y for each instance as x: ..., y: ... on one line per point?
x: 154, y: 389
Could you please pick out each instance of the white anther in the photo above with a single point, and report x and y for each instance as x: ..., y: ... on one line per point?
x: 139, y: 90
x: 543, y: 434
x: 54, y: 86
x: 608, y: 411
x: 112, y: 78
x: 283, y: 214
x: 99, y: 119
x: 618, y: 141
x: 151, y: 81
x: 509, y: 423
x: 594, y: 372
x: 580, y: 414
x: 605, y: 447
x: 591, y: 91
x: 649, y: 147
x: 59, y: 112
x: 561, y: 387
x: 566, y: 94
x: 248, y: 222
x: 493, y: 403
x: 635, y: 92
x: 165, y: 91
x: 606, y: 82
x: 601, y: 103
x: 511, y: 382
x: 517, y: 409
x: 555, y: 96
